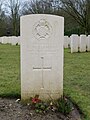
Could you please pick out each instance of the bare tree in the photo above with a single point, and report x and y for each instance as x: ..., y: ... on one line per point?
x: 79, y: 10
x: 2, y: 19
x: 13, y: 7
x: 38, y: 7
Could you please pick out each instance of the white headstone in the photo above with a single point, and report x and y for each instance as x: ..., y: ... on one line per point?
x: 18, y: 40
x: 88, y: 43
x: 4, y: 40
x: 14, y: 40
x: 10, y: 39
x: 83, y: 42
x: 79, y: 43
x: 66, y: 41
x: 0, y: 40
x: 42, y: 56
x: 74, y: 43
x: 69, y: 42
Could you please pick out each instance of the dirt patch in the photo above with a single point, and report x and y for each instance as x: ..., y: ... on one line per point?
x: 10, y: 109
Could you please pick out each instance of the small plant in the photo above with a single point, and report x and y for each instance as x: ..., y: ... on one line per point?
x: 64, y: 105
x: 38, y: 105
x: 41, y: 107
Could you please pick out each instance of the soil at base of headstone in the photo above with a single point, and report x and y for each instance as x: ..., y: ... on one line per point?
x: 12, y: 110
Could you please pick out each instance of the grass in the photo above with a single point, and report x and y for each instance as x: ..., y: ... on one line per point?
x: 77, y: 79
x: 9, y: 71
x: 76, y: 76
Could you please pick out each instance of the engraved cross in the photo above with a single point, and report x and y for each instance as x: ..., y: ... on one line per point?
x: 42, y: 68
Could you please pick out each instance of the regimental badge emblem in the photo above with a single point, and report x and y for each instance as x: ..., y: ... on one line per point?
x: 42, y: 30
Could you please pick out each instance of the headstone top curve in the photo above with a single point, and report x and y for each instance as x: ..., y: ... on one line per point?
x: 47, y: 15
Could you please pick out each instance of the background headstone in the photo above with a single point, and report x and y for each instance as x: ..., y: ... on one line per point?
x: 88, y: 43
x: 14, y: 40
x: 66, y: 41
x: 0, y: 39
x: 42, y: 39
x: 74, y: 43
x: 4, y: 40
x: 83, y: 42
x: 69, y: 43
x: 19, y: 40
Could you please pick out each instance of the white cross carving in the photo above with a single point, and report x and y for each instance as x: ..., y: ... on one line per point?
x: 42, y: 68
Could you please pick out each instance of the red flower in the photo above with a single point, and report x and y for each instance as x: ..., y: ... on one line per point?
x: 35, y: 100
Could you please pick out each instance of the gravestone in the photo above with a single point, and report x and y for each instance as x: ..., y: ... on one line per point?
x: 69, y: 43
x: 18, y: 40
x: 74, y: 43
x: 4, y: 40
x: 79, y: 43
x: 66, y: 41
x: 0, y: 40
x: 10, y: 39
x: 14, y: 40
x: 88, y: 43
x: 42, y: 39
x: 83, y: 42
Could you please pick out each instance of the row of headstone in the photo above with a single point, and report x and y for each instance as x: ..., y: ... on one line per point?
x: 10, y: 40
x: 14, y: 40
x: 67, y: 42
x: 80, y: 43
x: 76, y: 43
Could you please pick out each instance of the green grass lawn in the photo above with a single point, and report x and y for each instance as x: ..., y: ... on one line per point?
x: 77, y: 79
x: 9, y: 71
x: 76, y: 76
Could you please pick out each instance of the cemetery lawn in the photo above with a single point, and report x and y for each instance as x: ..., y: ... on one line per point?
x: 77, y: 79
x: 9, y: 71
x: 76, y: 76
